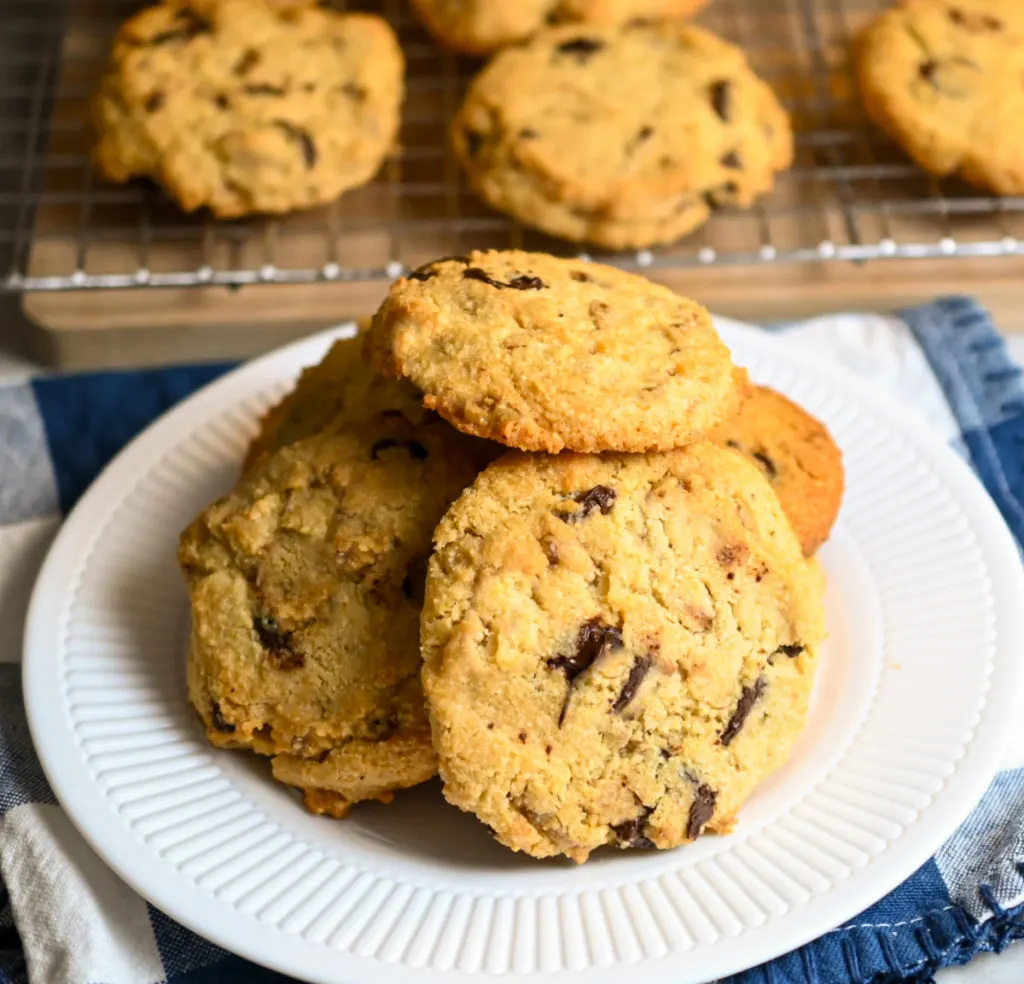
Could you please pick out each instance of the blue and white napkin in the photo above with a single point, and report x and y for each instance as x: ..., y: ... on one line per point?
x: 66, y: 919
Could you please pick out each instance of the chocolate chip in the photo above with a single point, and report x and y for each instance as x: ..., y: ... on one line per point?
x: 721, y: 99
x: 263, y: 89
x: 528, y: 134
x: 429, y: 270
x: 193, y: 25
x: 975, y: 22
x: 791, y: 651
x: 630, y: 833
x: 354, y: 91
x: 154, y: 101
x: 522, y: 737
x: 732, y: 159
x: 277, y: 642
x: 415, y: 582
x: 583, y: 48
x: 516, y: 283
x: 749, y: 696
x: 593, y: 640
x: 599, y: 497
x: 723, y: 194
x: 927, y: 69
x: 640, y: 668
x: 702, y: 809
x: 302, y: 138
x: 767, y: 463
x: 249, y: 60
x: 220, y: 723
x: 221, y: 100
x: 732, y: 444
x: 581, y: 278
x: 474, y: 141
x: 415, y: 449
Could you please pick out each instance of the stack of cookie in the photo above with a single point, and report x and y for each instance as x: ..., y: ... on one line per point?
x: 605, y: 636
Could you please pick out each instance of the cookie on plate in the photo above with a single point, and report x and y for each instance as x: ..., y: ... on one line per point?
x: 243, y: 106
x: 623, y: 137
x: 542, y: 353
x: 617, y: 649
x: 943, y: 79
x: 306, y: 584
x: 478, y: 27
x: 797, y: 455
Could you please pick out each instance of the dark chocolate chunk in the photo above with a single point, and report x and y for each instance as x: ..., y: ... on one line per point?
x: 583, y: 48
x: 191, y: 26
x: 522, y: 737
x: 732, y: 159
x: 474, y: 141
x: 221, y: 101
x: 593, y: 640
x: 581, y: 278
x: 249, y: 60
x: 262, y: 89
x: 630, y: 833
x: 721, y: 99
x: 277, y: 642
x: 154, y: 101
x: 415, y: 449
x: 927, y: 70
x: 791, y: 651
x: 429, y: 270
x: 354, y: 91
x: 723, y: 194
x: 415, y: 581
x: 749, y: 696
x: 521, y: 282
x: 767, y: 463
x: 302, y: 138
x: 599, y: 497
x: 220, y: 723
x: 702, y: 809
x: 641, y: 667
x: 732, y: 444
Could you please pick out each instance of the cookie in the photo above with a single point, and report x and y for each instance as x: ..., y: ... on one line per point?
x: 623, y: 137
x: 243, y: 106
x: 306, y: 585
x: 617, y: 649
x: 341, y: 387
x: 797, y: 455
x: 542, y: 353
x: 479, y: 27
x: 943, y: 79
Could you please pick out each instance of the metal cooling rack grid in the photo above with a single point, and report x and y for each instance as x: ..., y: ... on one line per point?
x: 851, y: 195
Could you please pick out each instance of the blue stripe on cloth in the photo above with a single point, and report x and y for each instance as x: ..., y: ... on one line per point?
x: 21, y: 776
x: 985, y: 392
x: 89, y: 418
x: 27, y: 486
x: 12, y: 956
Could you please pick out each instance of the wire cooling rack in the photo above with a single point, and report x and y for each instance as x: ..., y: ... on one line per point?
x: 851, y: 196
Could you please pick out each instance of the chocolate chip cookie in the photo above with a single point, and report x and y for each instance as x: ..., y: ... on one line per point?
x: 245, y: 106
x: 306, y: 584
x: 617, y: 649
x: 623, y: 137
x: 797, y: 455
x: 478, y: 27
x: 542, y: 353
x: 943, y: 79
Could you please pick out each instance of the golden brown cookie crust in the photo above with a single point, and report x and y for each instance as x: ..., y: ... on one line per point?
x: 623, y: 137
x: 942, y: 78
x: 797, y: 455
x: 617, y: 649
x: 543, y: 353
x: 243, y: 106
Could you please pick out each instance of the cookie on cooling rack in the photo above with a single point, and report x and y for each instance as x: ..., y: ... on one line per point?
x: 797, y: 455
x: 245, y: 106
x: 542, y: 353
x: 306, y: 585
x: 478, y: 27
x: 617, y: 649
x: 943, y: 79
x: 623, y: 137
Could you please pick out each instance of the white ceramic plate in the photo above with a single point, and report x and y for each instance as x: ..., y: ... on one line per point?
x: 917, y: 687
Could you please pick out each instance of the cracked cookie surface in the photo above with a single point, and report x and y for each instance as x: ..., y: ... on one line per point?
x: 945, y: 79
x: 479, y: 27
x: 542, y: 353
x: 244, y: 106
x: 306, y: 585
x: 623, y: 137
x: 617, y: 650
x: 798, y: 457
